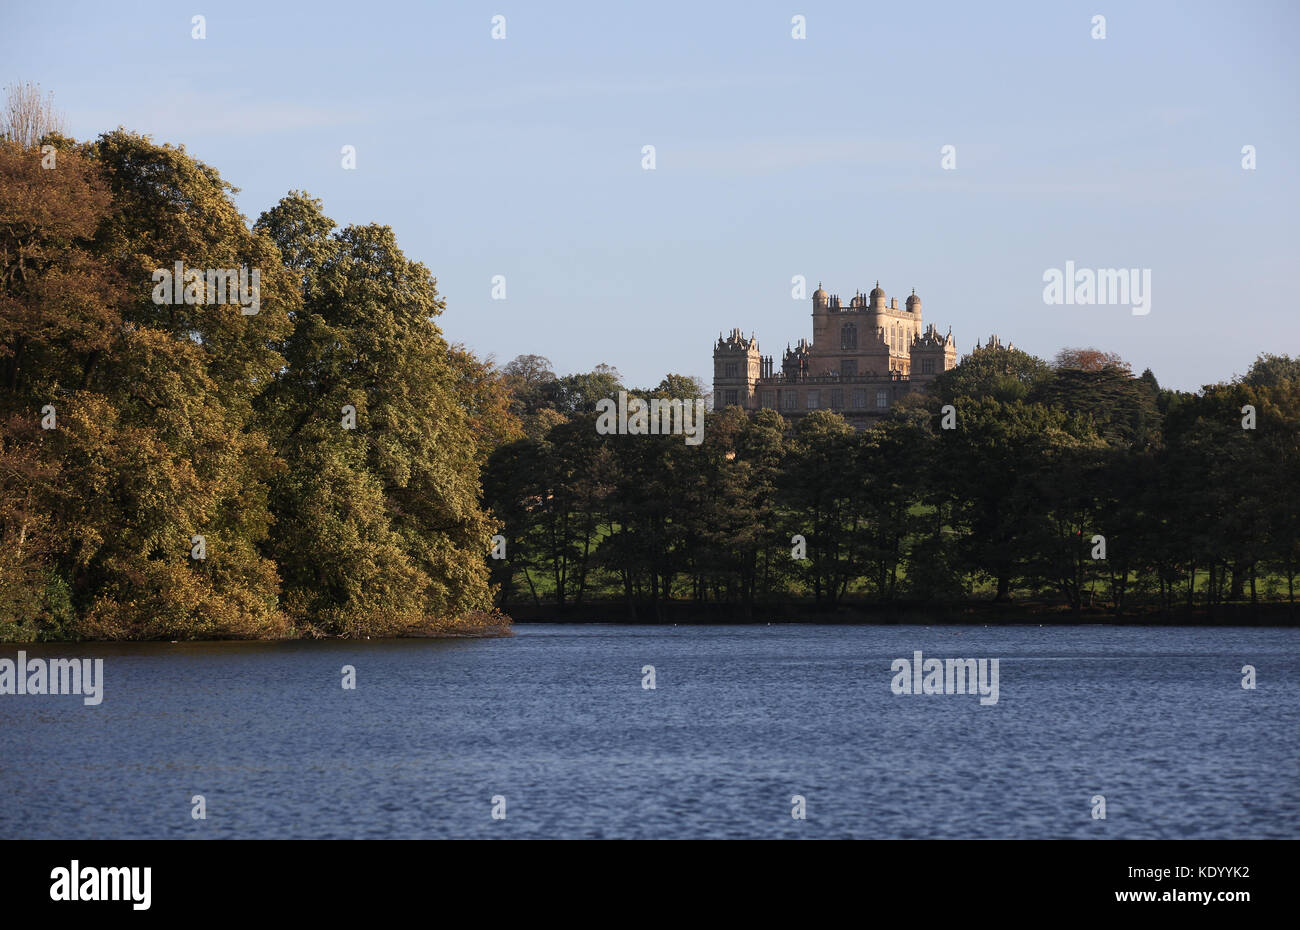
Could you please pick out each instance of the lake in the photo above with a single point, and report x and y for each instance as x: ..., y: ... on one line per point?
x: 742, y: 718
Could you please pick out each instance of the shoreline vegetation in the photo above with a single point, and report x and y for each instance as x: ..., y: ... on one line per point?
x: 215, y: 429
x: 475, y: 624
x: 472, y: 624
x: 969, y: 613
x: 1013, y: 486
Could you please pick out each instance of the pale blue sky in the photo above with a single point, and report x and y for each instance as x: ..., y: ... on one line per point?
x: 775, y: 157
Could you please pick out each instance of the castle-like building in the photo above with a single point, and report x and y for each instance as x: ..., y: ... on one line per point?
x: 862, y: 358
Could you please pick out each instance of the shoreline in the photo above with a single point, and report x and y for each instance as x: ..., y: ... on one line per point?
x: 985, y: 613
x: 1269, y: 615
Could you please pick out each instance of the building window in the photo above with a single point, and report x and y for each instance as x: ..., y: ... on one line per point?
x: 848, y: 368
x: 882, y: 398
x: 730, y: 370
x: 769, y: 400
x: 814, y: 396
x: 732, y: 398
x: 790, y: 399
x: 837, y: 398
x: 927, y: 366
x: 848, y: 336
x: 860, y: 399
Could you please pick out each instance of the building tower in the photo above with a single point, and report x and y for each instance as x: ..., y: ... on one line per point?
x: 737, y: 365
x: 932, y: 354
x: 866, y: 353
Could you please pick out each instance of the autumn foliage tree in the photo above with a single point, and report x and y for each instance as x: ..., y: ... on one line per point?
x: 176, y: 469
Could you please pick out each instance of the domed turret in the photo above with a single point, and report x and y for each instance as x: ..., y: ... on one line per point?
x: 914, y: 302
x: 877, y: 296
x: 820, y: 297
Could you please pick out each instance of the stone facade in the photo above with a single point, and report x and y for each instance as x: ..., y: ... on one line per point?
x: 863, y: 357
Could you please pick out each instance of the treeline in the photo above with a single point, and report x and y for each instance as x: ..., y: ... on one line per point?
x: 311, y: 457
x: 183, y: 468
x: 1073, y: 483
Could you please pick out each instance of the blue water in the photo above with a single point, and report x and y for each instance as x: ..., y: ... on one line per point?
x: 555, y: 719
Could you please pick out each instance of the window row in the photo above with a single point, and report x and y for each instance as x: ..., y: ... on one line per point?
x: 896, y: 336
x: 834, y: 399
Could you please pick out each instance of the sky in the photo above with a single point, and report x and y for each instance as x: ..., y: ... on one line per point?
x: 773, y: 157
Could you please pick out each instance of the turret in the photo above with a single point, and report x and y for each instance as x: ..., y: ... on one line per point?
x: 877, y: 297
x: 737, y: 364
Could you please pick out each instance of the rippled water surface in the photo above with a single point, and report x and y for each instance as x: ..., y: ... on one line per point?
x: 555, y: 719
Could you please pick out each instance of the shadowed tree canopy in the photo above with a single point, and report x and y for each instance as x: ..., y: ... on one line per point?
x: 993, y: 371
x: 1121, y: 408
x: 574, y: 394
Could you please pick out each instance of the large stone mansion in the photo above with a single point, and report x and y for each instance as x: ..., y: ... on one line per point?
x: 863, y: 356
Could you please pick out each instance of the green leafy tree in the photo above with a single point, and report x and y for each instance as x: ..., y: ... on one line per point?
x: 379, y: 526
x: 822, y: 495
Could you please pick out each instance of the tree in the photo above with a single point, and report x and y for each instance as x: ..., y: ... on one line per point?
x: 551, y: 493
x: 991, y: 467
x: 1271, y: 370
x: 1090, y: 360
x: 1121, y: 408
x: 483, y: 393
x: 685, y: 387
x: 528, y: 371
x: 893, y: 467
x: 1002, y: 374
x: 727, y: 489
x: 28, y: 116
x: 526, y: 377
x: 155, y: 456
x: 379, y: 527
x: 822, y: 493
x: 575, y: 394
